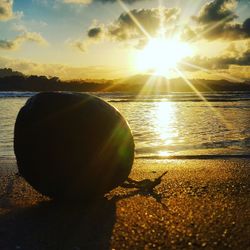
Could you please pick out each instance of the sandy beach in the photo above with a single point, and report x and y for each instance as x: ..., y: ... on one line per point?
x: 197, y: 204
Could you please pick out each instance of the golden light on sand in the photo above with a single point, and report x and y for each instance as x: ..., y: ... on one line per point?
x: 161, y: 54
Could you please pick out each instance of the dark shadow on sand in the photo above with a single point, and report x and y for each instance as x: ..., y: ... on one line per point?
x: 51, y: 225
x: 55, y: 225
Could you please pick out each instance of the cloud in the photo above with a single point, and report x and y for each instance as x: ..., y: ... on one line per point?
x: 81, y: 45
x: 125, y: 27
x: 78, y: 1
x: 217, y: 20
x: 231, y: 57
x: 95, y: 32
x: 19, y: 40
x: 246, y: 26
x: 227, y: 31
x: 65, y: 72
x: 240, y: 71
x: 134, y: 23
x: 6, y: 11
x: 100, y: 1
x: 217, y: 10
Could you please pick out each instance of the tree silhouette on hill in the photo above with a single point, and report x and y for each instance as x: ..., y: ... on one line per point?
x: 16, y: 81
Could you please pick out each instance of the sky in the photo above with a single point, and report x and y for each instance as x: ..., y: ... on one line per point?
x: 111, y: 39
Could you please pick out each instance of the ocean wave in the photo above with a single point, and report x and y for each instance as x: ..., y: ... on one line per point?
x: 186, y: 130
x: 180, y: 100
x: 167, y: 97
x: 193, y: 157
x: 16, y: 94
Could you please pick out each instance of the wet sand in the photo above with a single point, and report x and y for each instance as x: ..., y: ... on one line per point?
x: 197, y: 204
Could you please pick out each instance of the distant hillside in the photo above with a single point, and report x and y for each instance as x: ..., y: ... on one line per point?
x: 151, y: 83
x: 137, y: 83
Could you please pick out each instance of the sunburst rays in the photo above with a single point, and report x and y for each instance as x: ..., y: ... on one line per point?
x: 154, y: 81
x: 134, y: 19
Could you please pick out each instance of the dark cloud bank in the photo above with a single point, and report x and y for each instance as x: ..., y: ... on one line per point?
x: 6, y: 12
x: 126, y: 28
x: 222, y: 62
x: 217, y: 19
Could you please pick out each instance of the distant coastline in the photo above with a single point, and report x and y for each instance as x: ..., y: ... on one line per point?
x: 16, y: 81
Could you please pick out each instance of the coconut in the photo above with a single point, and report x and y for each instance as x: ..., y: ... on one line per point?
x: 72, y: 146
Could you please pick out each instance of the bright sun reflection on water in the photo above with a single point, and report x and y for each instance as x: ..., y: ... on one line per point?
x: 165, y: 124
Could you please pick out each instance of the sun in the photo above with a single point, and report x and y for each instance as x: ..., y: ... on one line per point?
x: 161, y: 54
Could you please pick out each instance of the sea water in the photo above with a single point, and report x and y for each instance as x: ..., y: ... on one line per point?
x: 173, y: 125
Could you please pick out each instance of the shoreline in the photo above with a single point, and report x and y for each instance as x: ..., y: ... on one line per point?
x: 12, y: 158
x: 200, y: 203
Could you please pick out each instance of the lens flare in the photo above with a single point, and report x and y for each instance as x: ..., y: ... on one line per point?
x: 161, y: 55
